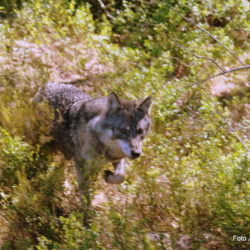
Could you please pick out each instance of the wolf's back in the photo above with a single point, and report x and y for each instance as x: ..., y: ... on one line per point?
x: 62, y: 96
x: 65, y: 100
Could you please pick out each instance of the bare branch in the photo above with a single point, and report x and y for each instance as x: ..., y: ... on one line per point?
x: 7, y: 74
x: 102, y: 4
x: 202, y: 57
x: 223, y: 73
x: 178, y: 59
x: 208, y: 33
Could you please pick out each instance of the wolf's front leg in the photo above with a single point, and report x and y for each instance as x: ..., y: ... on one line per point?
x: 83, y: 183
x: 119, y: 175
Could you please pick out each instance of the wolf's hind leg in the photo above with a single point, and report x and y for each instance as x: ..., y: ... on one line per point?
x: 83, y: 184
x: 119, y: 175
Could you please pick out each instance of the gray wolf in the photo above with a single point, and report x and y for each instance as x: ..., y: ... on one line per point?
x: 95, y: 131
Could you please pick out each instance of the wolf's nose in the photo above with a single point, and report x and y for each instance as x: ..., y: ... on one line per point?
x: 135, y: 154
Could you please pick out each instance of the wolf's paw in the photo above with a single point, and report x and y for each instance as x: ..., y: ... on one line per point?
x: 107, y: 173
x: 110, y: 177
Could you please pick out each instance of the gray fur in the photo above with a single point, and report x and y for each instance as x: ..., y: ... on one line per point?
x: 95, y: 131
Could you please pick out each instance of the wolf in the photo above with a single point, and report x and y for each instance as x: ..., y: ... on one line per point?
x: 95, y: 131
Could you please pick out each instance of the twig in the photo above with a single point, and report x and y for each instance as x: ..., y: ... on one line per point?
x: 178, y: 59
x: 102, y: 4
x: 7, y: 74
x: 223, y: 73
x: 208, y: 33
x: 202, y: 57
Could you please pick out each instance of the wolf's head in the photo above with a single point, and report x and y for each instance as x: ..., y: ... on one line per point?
x: 126, y: 124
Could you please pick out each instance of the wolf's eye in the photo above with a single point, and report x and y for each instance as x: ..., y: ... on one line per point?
x: 139, y: 131
x: 124, y: 131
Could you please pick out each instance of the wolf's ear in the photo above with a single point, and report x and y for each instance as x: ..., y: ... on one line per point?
x: 113, y: 101
x: 145, y: 106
